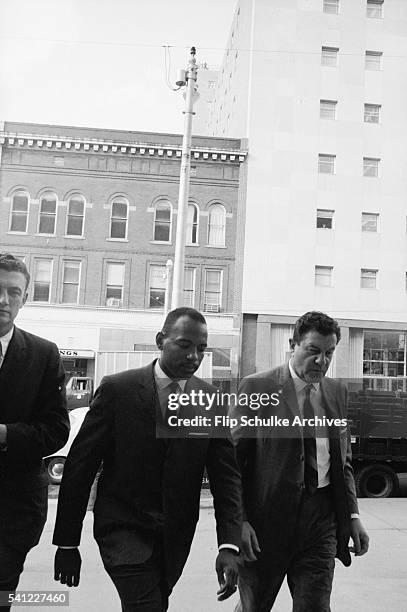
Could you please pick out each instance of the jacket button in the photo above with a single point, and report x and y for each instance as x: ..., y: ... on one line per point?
x: 301, y: 457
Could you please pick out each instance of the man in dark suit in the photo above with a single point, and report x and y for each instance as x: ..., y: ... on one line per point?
x: 33, y: 423
x: 147, y: 502
x: 300, y: 505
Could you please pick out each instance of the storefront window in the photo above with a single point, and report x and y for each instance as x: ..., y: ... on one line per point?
x: 384, y: 353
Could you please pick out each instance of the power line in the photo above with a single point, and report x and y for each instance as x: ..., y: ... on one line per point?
x: 186, y: 47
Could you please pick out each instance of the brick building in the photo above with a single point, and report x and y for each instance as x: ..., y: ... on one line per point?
x: 93, y: 212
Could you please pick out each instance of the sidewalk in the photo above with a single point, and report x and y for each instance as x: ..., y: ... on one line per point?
x: 374, y: 583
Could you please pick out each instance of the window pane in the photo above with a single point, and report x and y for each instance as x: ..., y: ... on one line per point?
x: 216, y: 228
x: 42, y: 280
x: 327, y: 109
x: 368, y: 279
x: 369, y: 222
x: 331, y: 6
x: 157, y: 298
x: 324, y: 218
x: 162, y: 222
x: 373, y: 60
x: 329, y: 56
x: 19, y: 222
x: 118, y: 229
x: 370, y: 167
x: 48, y: 207
x: 371, y: 113
x: 192, y: 224
x: 75, y: 226
x: 374, y: 8
x: 70, y: 294
x: 119, y: 210
x: 76, y: 210
x: 20, y: 202
x: 115, y: 273
x: 71, y: 271
x: 157, y: 286
x: 323, y: 276
x: 326, y: 164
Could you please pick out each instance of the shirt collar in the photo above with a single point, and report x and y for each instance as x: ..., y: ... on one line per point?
x: 299, y: 383
x: 162, y: 380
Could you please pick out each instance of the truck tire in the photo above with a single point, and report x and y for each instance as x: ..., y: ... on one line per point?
x: 55, y: 469
x: 376, y: 480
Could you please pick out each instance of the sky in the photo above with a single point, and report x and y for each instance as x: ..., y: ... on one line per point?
x: 101, y: 63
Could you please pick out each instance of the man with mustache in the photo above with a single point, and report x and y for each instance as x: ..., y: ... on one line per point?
x: 300, y: 506
x: 147, y: 502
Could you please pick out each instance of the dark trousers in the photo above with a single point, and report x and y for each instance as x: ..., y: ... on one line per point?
x: 141, y: 587
x: 308, y: 562
x: 11, y: 566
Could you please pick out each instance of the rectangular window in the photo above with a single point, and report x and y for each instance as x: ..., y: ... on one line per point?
x: 42, y: 280
x: 331, y: 6
x: 48, y: 213
x: 118, y: 219
x: 323, y: 276
x: 373, y: 60
x: 329, y: 56
x: 326, y: 164
x: 189, y: 287
x: 325, y: 218
x: 368, y: 278
x: 374, y: 9
x: 158, y: 279
x: 371, y: 166
x: 19, y: 212
x: 114, y: 284
x: 70, y: 282
x: 213, y: 291
x: 370, y: 222
x: 372, y: 113
x: 327, y: 109
x: 75, y: 216
x: 384, y: 353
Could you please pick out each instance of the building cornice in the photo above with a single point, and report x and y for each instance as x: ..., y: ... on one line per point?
x: 92, y: 145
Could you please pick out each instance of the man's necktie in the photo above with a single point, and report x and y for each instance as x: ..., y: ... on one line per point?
x: 310, y: 446
x: 173, y: 388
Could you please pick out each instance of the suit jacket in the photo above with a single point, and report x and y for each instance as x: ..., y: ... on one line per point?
x: 149, y: 487
x: 272, y: 466
x: 33, y: 406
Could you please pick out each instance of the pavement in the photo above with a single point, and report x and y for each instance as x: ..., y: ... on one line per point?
x: 376, y: 582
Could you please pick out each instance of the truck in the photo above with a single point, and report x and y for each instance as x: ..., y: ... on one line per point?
x: 378, y: 424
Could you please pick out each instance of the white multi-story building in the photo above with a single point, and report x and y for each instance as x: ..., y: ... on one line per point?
x: 319, y: 88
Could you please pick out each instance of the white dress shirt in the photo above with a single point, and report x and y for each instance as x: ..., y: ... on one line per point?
x: 5, y: 341
x: 323, y: 455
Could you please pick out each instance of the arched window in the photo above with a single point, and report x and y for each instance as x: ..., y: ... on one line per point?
x: 75, y: 215
x: 19, y: 211
x: 216, y: 225
x: 162, y: 222
x: 192, y: 223
x: 48, y: 213
x: 118, y: 218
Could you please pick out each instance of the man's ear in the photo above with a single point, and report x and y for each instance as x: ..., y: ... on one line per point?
x: 25, y: 297
x: 292, y: 344
x: 159, y: 339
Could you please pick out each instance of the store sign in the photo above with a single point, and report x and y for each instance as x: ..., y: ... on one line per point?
x: 77, y: 354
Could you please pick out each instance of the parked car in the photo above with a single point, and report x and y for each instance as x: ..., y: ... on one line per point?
x: 55, y: 463
x: 79, y: 391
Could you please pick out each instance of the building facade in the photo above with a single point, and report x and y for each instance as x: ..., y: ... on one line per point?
x: 318, y: 87
x: 93, y: 213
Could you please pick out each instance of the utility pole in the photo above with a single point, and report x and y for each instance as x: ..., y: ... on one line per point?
x: 187, y: 77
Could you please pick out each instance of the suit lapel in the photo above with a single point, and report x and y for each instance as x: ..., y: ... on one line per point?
x: 147, y: 392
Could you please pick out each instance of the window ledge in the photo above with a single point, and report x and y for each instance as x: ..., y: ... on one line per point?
x: 161, y: 242
x: 74, y: 237
x: 117, y: 239
x: 46, y: 235
x: 192, y: 244
x: 17, y: 233
x: 214, y: 246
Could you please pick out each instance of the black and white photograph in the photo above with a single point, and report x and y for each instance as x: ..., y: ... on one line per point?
x: 203, y: 305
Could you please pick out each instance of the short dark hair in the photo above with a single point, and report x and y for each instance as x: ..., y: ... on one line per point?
x: 13, y: 264
x: 183, y: 311
x: 315, y: 321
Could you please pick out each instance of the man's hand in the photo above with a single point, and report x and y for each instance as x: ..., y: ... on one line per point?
x: 67, y: 566
x: 359, y: 537
x: 250, y: 544
x: 227, y: 563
